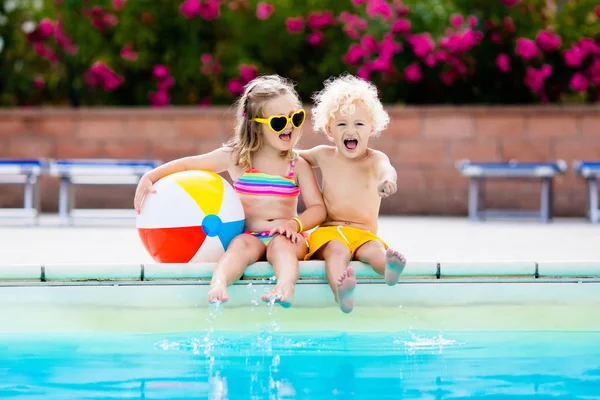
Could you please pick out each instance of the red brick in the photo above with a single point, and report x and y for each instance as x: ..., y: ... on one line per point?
x: 475, y: 150
x: 500, y: 126
x: 78, y: 148
x: 12, y: 127
x: 55, y: 127
x: 526, y: 150
x: 546, y: 125
x: 444, y: 178
x: 150, y: 128
x: 100, y: 128
x: 127, y: 149
x: 171, y: 150
x: 406, y: 127
x: 587, y: 148
x: 591, y: 125
x: 448, y: 126
x: 29, y: 147
x: 410, y: 179
x: 200, y: 127
x: 421, y: 152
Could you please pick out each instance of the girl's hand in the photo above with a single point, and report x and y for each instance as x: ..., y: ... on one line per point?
x: 289, y: 229
x: 144, y: 187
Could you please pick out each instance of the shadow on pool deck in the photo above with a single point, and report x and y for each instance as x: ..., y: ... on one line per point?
x: 420, y: 238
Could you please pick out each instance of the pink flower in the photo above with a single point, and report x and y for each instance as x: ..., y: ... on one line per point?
x: 206, y: 58
x: 598, y: 11
x: 99, y: 74
x: 351, y: 31
x: 118, y: 4
x: 510, y: 3
x: 190, y: 8
x: 548, y: 41
x: 594, y: 72
x: 45, y: 28
x: 205, y: 102
x: 315, y: 38
x: 264, y: 10
x: 364, y: 72
x: 503, y: 62
x: 247, y: 72
x: 294, y: 24
x: 159, y: 98
x: 45, y: 52
x: 579, y: 82
x: 160, y: 71
x: 413, y: 73
x: 39, y: 82
x: 526, y: 48
x: 401, y: 26
x: 456, y: 20
x: 448, y: 77
x: 589, y: 47
x: 355, y: 54
x: 574, y: 56
x: 63, y: 40
x: 422, y: 44
x: 381, y: 64
x: 210, y: 10
x: 128, y: 54
x: 369, y: 43
x: 509, y: 24
x: 534, y: 78
x: 235, y: 87
x: 319, y: 20
x: 430, y: 60
x: 166, y: 84
x: 496, y: 38
x: 472, y: 21
x: 379, y: 8
x: 388, y: 46
x: 402, y: 9
x: 358, y: 2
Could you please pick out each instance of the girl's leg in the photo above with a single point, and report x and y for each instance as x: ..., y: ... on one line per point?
x: 242, y: 251
x: 388, y: 263
x: 284, y: 256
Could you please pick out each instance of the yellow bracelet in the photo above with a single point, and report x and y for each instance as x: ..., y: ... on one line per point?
x: 299, y: 224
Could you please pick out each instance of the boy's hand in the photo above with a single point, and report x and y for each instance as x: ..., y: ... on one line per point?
x: 289, y: 229
x: 386, y: 188
x: 144, y: 187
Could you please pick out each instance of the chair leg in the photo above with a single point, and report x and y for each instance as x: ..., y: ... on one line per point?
x: 545, y: 200
x: 473, y: 199
x: 29, y: 198
x: 594, y: 213
x: 63, y: 201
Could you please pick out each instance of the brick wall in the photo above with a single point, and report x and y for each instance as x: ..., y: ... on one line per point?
x: 423, y: 144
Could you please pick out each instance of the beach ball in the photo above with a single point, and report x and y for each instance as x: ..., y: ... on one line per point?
x: 192, y: 217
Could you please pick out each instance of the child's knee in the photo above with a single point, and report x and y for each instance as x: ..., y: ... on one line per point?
x: 336, y: 250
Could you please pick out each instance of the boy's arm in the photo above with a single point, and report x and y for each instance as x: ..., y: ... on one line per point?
x: 387, y: 175
x: 311, y: 155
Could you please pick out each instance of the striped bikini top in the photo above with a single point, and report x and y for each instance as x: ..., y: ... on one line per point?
x: 253, y: 182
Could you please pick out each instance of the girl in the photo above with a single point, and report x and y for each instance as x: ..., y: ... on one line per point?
x: 268, y: 177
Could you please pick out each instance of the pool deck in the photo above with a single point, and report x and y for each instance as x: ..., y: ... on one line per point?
x: 419, y: 238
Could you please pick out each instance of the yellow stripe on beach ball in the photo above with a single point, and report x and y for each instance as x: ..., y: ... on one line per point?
x: 206, y: 188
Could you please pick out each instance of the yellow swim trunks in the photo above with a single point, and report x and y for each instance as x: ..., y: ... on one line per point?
x: 350, y: 236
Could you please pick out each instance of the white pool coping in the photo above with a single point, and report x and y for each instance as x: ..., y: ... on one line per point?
x: 313, y: 271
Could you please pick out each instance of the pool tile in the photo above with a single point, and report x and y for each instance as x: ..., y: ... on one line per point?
x: 486, y: 268
x: 176, y: 271
x: 569, y: 268
x: 92, y: 272
x: 26, y: 272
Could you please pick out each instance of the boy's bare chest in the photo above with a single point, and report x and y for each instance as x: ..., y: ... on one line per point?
x: 344, y: 179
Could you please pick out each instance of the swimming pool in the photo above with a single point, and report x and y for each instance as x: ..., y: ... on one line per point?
x: 528, y: 330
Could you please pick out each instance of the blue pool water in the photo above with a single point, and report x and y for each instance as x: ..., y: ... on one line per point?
x: 322, y: 365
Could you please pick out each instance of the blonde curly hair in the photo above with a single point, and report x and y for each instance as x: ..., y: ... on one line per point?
x: 247, y: 138
x: 340, y: 94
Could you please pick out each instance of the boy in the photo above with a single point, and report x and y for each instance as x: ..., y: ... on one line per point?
x: 354, y: 180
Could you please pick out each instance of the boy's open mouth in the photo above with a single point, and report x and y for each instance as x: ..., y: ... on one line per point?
x: 286, y: 137
x: 350, y: 144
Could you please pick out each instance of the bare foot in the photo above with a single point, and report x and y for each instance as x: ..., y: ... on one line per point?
x: 218, y: 293
x: 281, y: 294
x: 345, y: 288
x: 394, y: 265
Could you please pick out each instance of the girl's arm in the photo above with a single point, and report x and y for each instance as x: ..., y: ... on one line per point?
x: 217, y: 161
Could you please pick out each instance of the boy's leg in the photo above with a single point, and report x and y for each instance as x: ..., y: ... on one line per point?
x: 242, y: 251
x: 389, y: 263
x: 284, y: 256
x: 339, y: 275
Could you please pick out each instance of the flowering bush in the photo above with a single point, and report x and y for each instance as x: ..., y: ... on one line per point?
x: 185, y: 52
